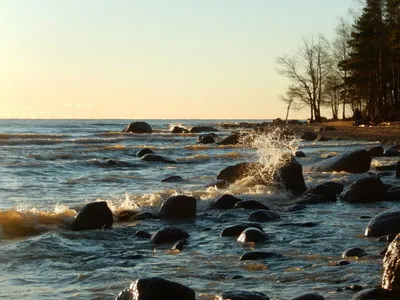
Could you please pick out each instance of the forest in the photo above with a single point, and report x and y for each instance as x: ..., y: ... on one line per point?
x: 358, y: 70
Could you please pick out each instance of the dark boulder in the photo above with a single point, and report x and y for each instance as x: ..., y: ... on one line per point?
x: 168, y: 235
x: 290, y: 174
x: 387, y: 238
x: 251, y: 204
x: 299, y: 154
x: 143, y: 152
x: 125, y: 215
x: 252, y: 234
x: 309, y: 136
x: 335, y: 186
x: 259, y: 255
x: 156, y: 288
x: 354, y: 252
x: 398, y: 169
x: 178, y: 207
x: 156, y: 158
x: 375, y: 294
x: 385, y: 223
x: 309, y: 296
x: 178, y: 129
x: 376, y: 151
x: 174, y: 178
x: 232, y: 139
x: 393, y: 151
x: 263, y: 215
x: 241, y: 295
x: 208, y: 138
x: 225, y: 202
x: 199, y: 129
x: 236, y: 230
x: 96, y: 215
x: 311, y: 199
x: 391, y: 266
x: 342, y: 263
x: 365, y: 190
x: 138, y: 127
x: 233, y: 173
x: 326, y: 190
x: 358, y: 161
x: 393, y: 194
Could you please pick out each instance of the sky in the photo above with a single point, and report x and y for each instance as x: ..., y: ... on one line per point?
x: 153, y: 59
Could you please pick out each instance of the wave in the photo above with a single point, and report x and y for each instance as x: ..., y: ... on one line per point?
x: 26, y: 136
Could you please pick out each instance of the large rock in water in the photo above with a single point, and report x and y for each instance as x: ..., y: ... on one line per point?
x: 168, y: 235
x: 376, y: 293
x: 358, y: 161
x: 178, y: 207
x: 391, y: 266
x: 385, y: 223
x: 138, y: 127
x: 291, y: 175
x: 233, y: 173
x: 94, y: 215
x: 365, y: 190
x: 225, y: 202
x: 156, y: 288
x: 241, y: 295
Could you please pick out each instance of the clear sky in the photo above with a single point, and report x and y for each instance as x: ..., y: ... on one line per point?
x: 148, y: 59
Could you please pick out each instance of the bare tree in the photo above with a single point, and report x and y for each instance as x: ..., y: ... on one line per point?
x: 292, y: 94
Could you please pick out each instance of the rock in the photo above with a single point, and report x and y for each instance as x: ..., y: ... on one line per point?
x: 145, y: 216
x: 376, y: 151
x: 143, y: 152
x: 393, y: 151
x: 299, y: 154
x: 178, y: 207
x: 252, y: 234
x: 241, y: 295
x: 342, y: 263
x: 250, y: 204
x: 365, y: 190
x: 358, y: 161
x: 295, y: 207
x: 391, y: 266
x: 199, y: 129
x: 227, y: 216
x: 172, y: 179
x: 258, y: 255
x: 96, y: 215
x: 157, y: 158
x: 309, y: 136
x: 383, y: 252
x: 354, y: 252
x: 387, y: 238
x: 263, y: 215
x: 179, y: 245
x: 327, y: 191
x: 233, y: 139
x: 138, y: 127
x: 398, y: 169
x: 156, y: 288
x: 309, y: 296
x: 236, y: 230
x: 325, y: 128
x: 321, y: 138
x: 208, y: 138
x: 291, y: 175
x: 311, y: 199
x: 225, y: 202
x: 376, y: 293
x: 385, y: 223
x: 393, y: 194
x: 142, y: 234
x: 218, y: 183
x: 178, y: 129
x: 233, y: 173
x: 125, y: 215
x: 234, y: 277
x: 335, y: 186
x: 168, y: 235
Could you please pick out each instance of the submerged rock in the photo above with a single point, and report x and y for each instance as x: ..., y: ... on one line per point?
x: 145, y: 216
x: 358, y: 161
x: 156, y: 288
x: 142, y: 234
x: 225, y: 202
x: 393, y: 151
x: 252, y: 234
x: 385, y: 223
x: 199, y: 129
x: 174, y: 178
x: 168, y: 235
x: 96, y: 215
x: 208, y: 138
x: 179, y: 245
x: 232, y: 139
x: 365, y: 190
x: 138, y: 127
x: 376, y: 293
x: 251, y: 204
x: 157, y: 158
x: 178, y: 207
x: 178, y: 129
x: 391, y: 266
x: 263, y: 215
x: 144, y: 151
x: 309, y: 296
x: 258, y: 255
x: 241, y: 295
x: 376, y: 151
x: 354, y: 252
x: 236, y: 230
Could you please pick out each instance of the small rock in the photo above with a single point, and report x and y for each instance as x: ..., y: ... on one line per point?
x: 143, y: 152
x: 236, y: 230
x: 241, y: 295
x: 263, y: 215
x: 251, y: 204
x: 252, y: 235
x: 354, y: 252
x: 172, y: 179
x: 142, y: 234
x: 96, y: 215
x: 226, y: 202
x: 168, y: 235
x: 309, y: 296
x: 258, y: 255
x: 179, y: 245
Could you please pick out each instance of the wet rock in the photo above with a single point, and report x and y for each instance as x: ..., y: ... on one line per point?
x: 234, y: 277
x: 376, y: 151
x: 309, y: 296
x: 208, y: 138
x: 393, y: 194
x: 178, y: 129
x: 376, y: 293
x: 311, y: 199
x: 291, y: 175
x: 393, y: 151
x: 241, y: 295
x: 227, y: 216
x: 391, y: 266
x: 156, y: 158
x: 142, y: 234
x: 225, y: 202
x: 138, y: 127
x: 199, y: 129
x: 383, y: 252
x: 387, y: 238
x: 156, y: 288
x: 168, y: 235
x: 358, y: 161
x: 175, y: 178
x: 354, y: 252
x: 385, y: 223
x: 143, y: 152
x: 96, y: 215
x: 258, y: 255
x: 218, y: 183
x: 179, y: 245
x: 309, y: 136
x: 299, y: 153
x: 365, y: 190
x: 342, y: 263
x: 321, y: 138
x: 295, y: 207
x: 398, y: 169
x: 233, y: 139
x: 236, y: 230
x: 145, y: 216
x: 252, y: 234
x: 178, y: 207
x: 263, y: 215
x: 125, y: 215
x: 251, y: 204
x: 233, y: 173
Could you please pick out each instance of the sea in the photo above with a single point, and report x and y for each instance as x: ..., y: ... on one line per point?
x: 49, y: 169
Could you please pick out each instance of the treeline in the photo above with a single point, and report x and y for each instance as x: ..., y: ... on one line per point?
x: 358, y: 70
